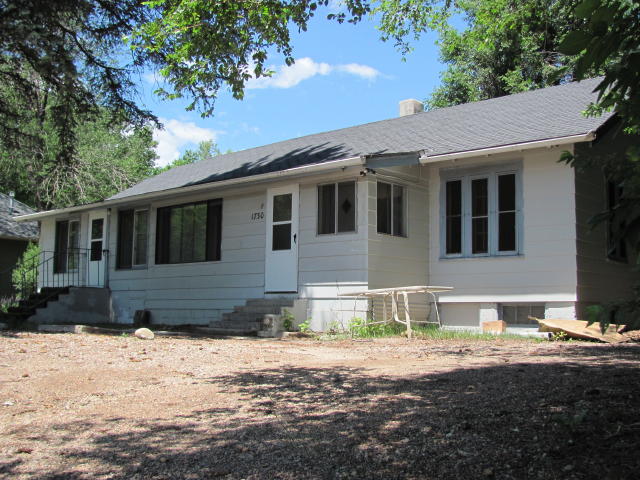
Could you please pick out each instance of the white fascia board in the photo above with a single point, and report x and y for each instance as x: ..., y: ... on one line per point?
x: 516, y: 147
x: 508, y: 298
x: 291, y: 172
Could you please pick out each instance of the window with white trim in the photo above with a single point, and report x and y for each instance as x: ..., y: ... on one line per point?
x: 392, y: 206
x: 133, y: 228
x: 66, y: 248
x: 481, y: 211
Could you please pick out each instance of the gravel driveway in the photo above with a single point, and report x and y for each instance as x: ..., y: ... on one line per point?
x: 86, y: 406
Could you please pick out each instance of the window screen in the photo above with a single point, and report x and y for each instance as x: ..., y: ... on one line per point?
x: 453, y: 216
x: 326, y: 208
x: 346, y: 207
x: 507, y: 212
x: 479, y: 216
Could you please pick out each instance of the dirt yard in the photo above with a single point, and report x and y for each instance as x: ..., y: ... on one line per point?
x: 86, y: 406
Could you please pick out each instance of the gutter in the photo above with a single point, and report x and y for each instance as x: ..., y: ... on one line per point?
x: 426, y: 159
x: 360, y: 160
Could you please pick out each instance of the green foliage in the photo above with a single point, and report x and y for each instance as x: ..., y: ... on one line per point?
x: 287, y: 320
x: 199, y: 46
x: 507, y: 46
x: 70, y: 52
x: 360, y: 328
x: 609, y: 40
x: 305, y: 326
x: 206, y: 150
x: 107, y: 157
x: 25, y: 275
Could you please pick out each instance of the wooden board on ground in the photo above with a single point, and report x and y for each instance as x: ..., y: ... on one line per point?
x: 579, y: 329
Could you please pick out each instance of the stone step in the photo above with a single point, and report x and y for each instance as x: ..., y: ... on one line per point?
x: 243, y: 317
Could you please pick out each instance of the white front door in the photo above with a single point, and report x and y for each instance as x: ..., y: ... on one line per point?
x: 96, y: 247
x: 281, y: 254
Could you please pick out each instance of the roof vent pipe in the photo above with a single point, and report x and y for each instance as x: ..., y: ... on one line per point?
x: 12, y: 195
x: 410, y: 106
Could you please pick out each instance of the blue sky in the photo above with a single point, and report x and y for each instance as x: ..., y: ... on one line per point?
x: 343, y: 76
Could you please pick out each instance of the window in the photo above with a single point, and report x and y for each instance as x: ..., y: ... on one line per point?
x: 67, y: 242
x: 480, y: 212
x: 518, y: 314
x: 391, y: 209
x: 189, y: 233
x: 337, y: 208
x: 616, y: 246
x: 133, y: 228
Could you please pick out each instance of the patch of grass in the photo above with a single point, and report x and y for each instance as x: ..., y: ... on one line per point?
x: 361, y: 329
x: 434, y: 332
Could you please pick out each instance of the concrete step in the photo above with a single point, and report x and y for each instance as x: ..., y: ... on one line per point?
x: 271, y: 302
x: 259, y: 309
x: 242, y: 317
x: 232, y: 324
x: 213, y: 330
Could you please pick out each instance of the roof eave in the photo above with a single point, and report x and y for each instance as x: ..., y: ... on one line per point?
x: 296, y: 171
x: 514, y: 147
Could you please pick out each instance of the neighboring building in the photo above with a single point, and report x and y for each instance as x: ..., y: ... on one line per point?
x: 472, y: 197
x: 14, y: 238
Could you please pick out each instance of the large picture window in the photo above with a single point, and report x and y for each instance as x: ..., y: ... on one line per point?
x: 391, y: 203
x: 480, y: 212
x: 337, y: 207
x: 190, y: 232
x: 67, y: 242
x: 133, y: 228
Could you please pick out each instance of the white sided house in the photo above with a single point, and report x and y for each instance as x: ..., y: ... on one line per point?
x: 473, y: 197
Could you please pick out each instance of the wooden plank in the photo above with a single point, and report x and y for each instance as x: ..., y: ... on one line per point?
x: 579, y: 329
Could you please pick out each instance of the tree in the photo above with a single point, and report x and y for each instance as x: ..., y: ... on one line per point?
x: 206, y: 150
x: 507, y: 46
x: 609, y: 40
x: 107, y: 158
x: 74, y: 50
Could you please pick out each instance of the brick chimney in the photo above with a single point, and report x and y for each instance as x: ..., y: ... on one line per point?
x: 410, y: 106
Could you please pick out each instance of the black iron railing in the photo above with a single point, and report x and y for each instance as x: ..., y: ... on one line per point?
x: 74, y: 267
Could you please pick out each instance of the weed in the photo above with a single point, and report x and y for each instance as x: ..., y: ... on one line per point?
x: 363, y: 329
x: 305, y: 326
x: 287, y: 320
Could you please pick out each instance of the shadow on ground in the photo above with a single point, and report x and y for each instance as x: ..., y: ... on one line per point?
x: 576, y: 418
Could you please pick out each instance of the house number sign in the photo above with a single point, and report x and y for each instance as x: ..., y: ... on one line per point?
x: 257, y: 215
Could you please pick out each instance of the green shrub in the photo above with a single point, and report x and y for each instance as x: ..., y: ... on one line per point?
x: 25, y: 275
x: 287, y: 320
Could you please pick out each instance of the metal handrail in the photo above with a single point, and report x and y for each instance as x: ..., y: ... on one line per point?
x: 77, y: 271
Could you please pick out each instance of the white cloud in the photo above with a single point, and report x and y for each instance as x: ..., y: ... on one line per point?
x: 363, y: 71
x: 286, y: 76
x: 177, y: 135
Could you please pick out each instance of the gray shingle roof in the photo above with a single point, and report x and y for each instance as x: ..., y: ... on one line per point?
x: 525, y: 117
x: 9, y: 228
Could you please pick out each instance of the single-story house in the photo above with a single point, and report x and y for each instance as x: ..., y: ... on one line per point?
x: 14, y: 238
x: 472, y: 196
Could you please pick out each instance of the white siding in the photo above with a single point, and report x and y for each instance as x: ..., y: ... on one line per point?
x: 399, y: 261
x: 196, y: 293
x: 546, y: 270
x: 331, y: 264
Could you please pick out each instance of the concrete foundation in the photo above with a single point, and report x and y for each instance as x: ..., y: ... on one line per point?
x: 82, y: 305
